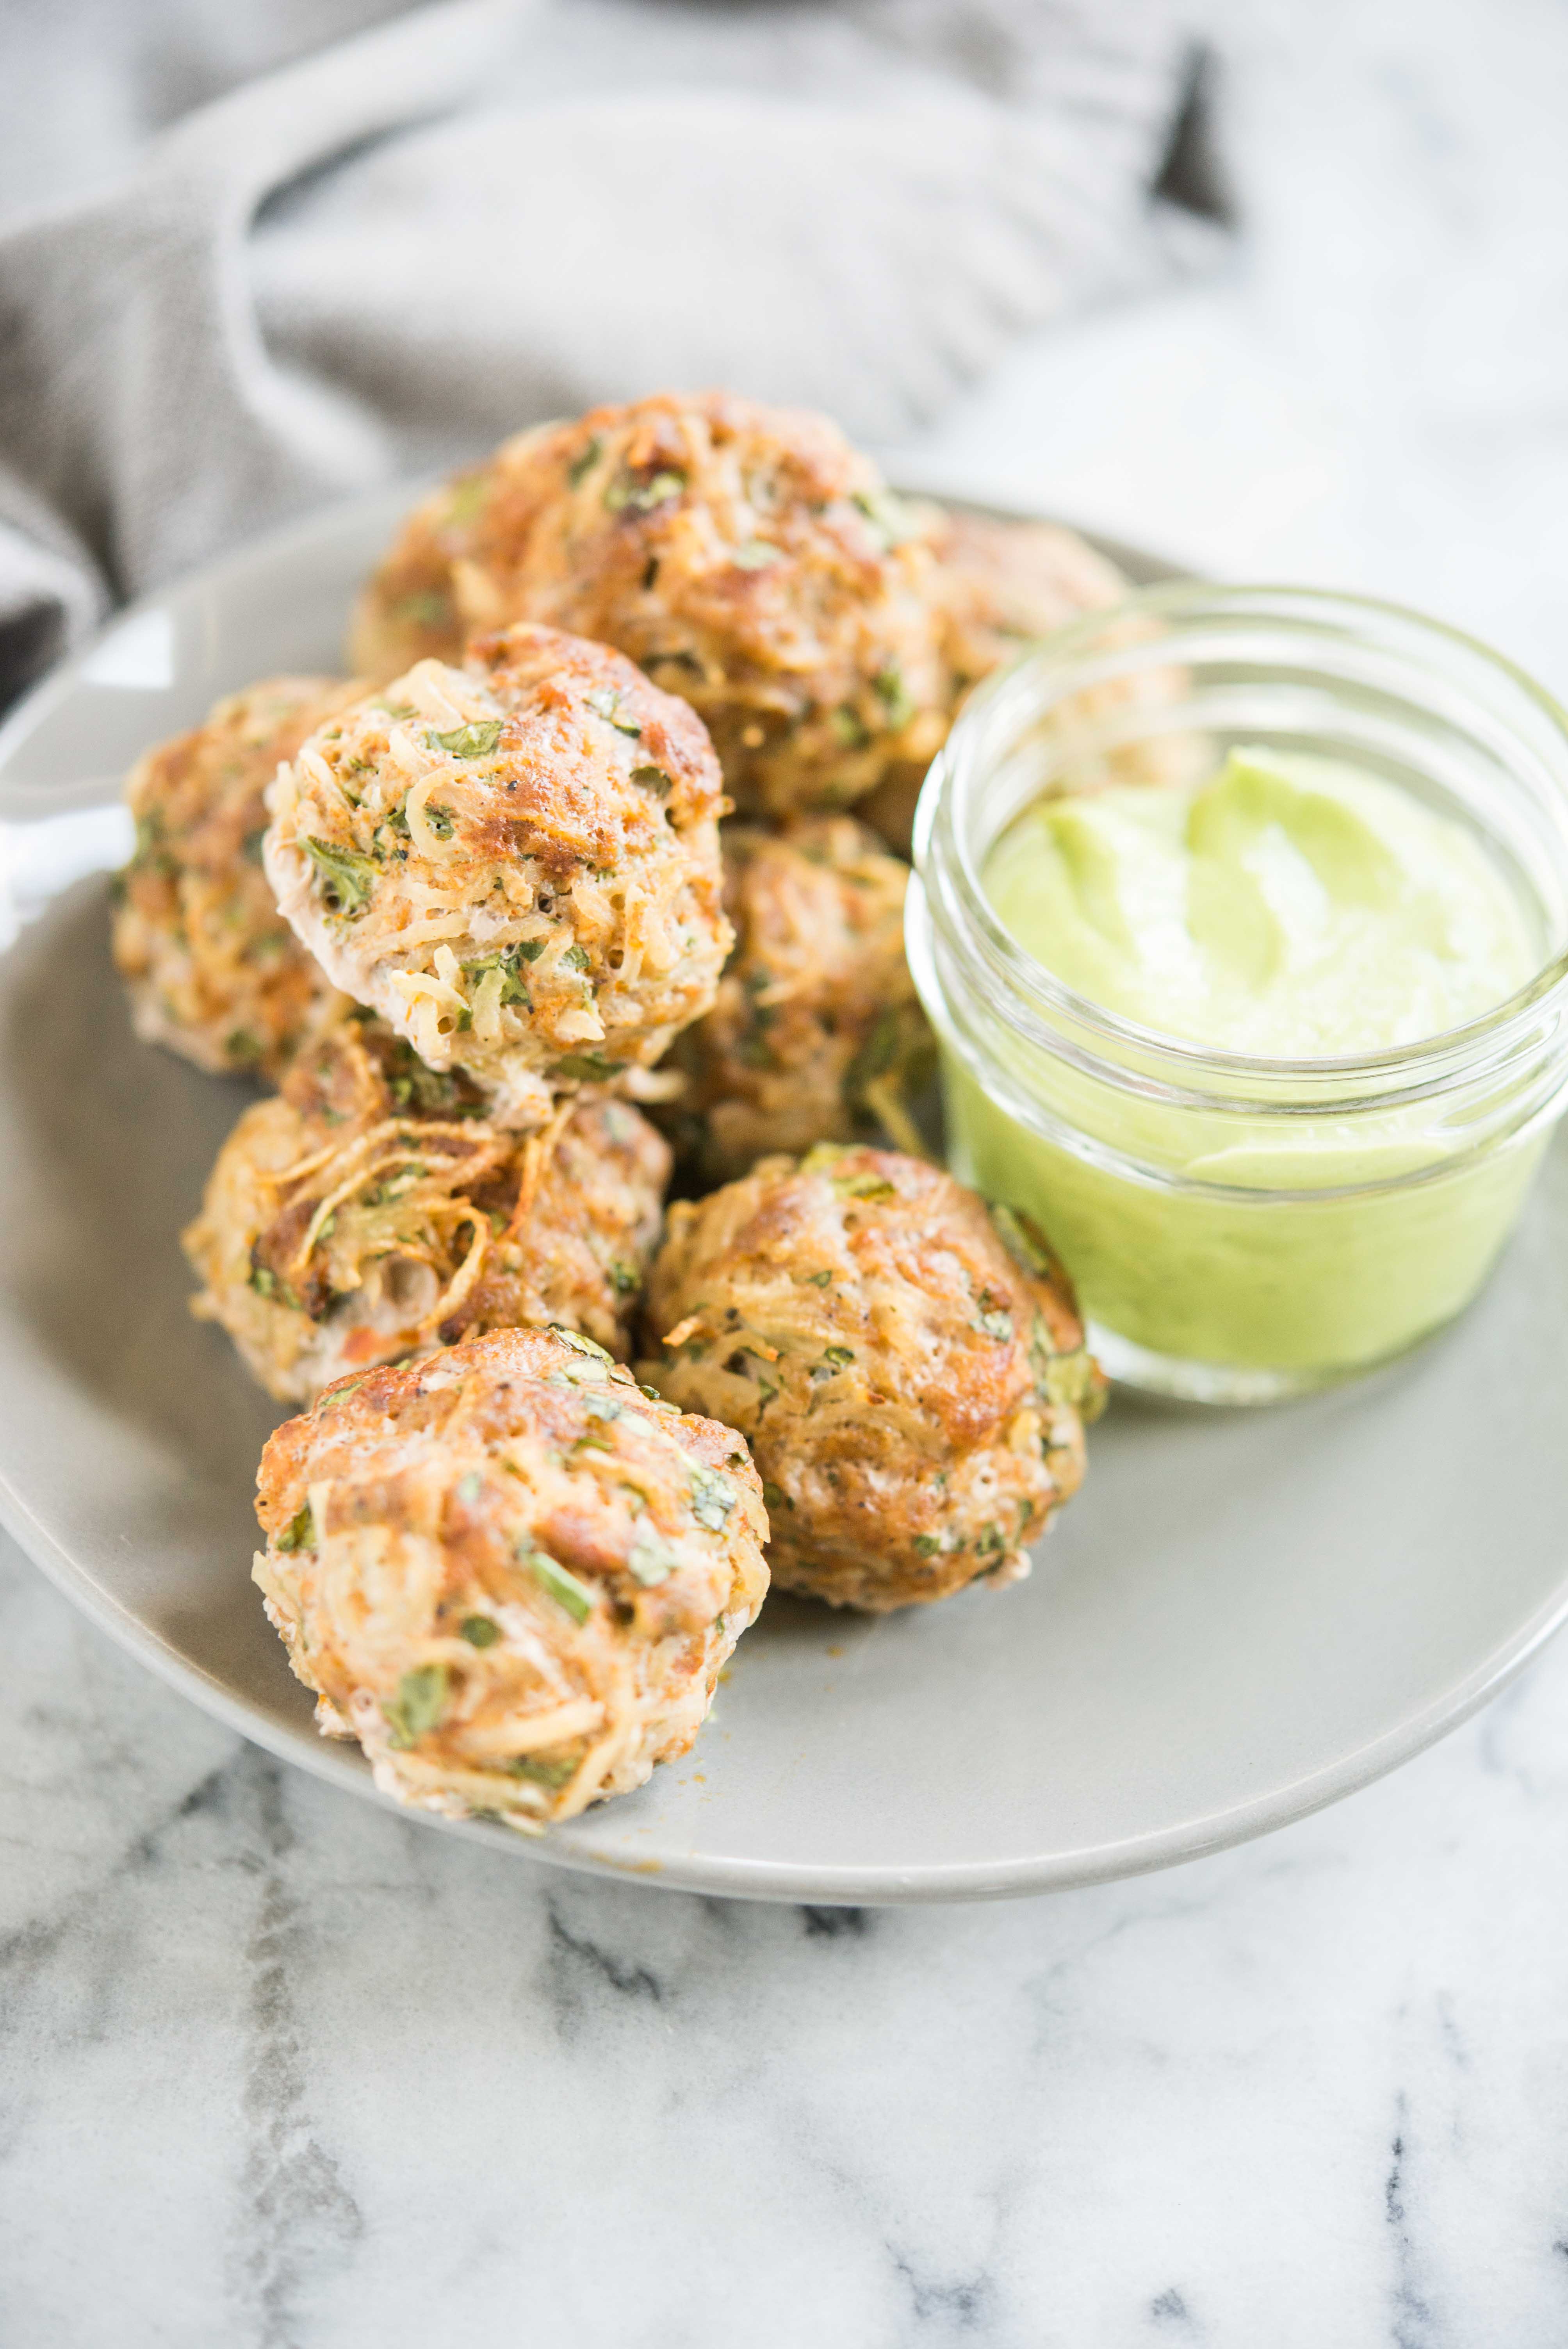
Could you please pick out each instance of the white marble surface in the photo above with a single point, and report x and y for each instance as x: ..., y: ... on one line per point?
x: 281, y: 2070
x: 277, y: 2070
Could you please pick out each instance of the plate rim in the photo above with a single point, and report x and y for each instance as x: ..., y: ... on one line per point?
x: 836, y: 1884
x: 792, y: 1881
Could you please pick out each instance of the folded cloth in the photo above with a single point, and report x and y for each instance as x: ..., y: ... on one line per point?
x: 485, y: 213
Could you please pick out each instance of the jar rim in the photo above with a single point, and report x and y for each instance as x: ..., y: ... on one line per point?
x: 1453, y: 1048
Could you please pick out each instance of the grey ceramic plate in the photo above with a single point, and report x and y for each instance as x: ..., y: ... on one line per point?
x: 1242, y: 1617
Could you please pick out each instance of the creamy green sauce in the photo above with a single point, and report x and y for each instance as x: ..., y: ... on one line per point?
x: 1289, y: 908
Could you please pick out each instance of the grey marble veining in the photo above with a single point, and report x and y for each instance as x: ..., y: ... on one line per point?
x: 280, y: 2072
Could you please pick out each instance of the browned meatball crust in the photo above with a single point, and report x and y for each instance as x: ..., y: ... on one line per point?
x: 909, y: 1369
x: 214, y: 971
x: 372, y: 1213
x: 507, y: 1572
x: 998, y: 586
x: 1002, y: 584
x: 817, y: 1035
x: 748, y: 557
x: 515, y: 863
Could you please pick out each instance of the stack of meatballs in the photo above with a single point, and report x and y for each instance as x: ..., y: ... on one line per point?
x: 476, y: 915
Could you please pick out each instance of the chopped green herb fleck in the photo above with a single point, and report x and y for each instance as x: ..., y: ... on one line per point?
x: 650, y: 1558
x: 505, y: 960
x: 346, y: 877
x: 994, y: 1319
x: 864, y: 1186
x: 608, y: 704
x: 712, y: 1498
x: 576, y: 958
x: 542, y: 1771
x: 622, y: 1277
x: 928, y: 1544
x: 823, y: 1156
x: 1070, y: 1379
x: 850, y: 727
x: 578, y: 1342
x: 429, y: 609
x: 642, y: 496
x: 468, y: 497
x: 1023, y: 1241
x: 478, y: 1631
x: 381, y: 1194
x: 265, y: 1283
x: 529, y: 949
x: 818, y: 1279
x: 893, y: 694
x: 775, y: 1497
x: 418, y: 1705
x: 888, y: 515
x: 475, y: 740
x: 469, y: 1488
x: 585, y: 459
x: 561, y: 1586
x: 585, y: 1068
x: 300, y: 1531
x: 757, y: 555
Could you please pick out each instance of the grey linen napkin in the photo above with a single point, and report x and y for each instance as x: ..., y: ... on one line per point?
x: 382, y: 258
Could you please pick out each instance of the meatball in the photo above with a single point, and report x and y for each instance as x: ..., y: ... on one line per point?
x: 748, y: 557
x: 410, y: 610
x: 998, y: 586
x: 515, y: 863
x: 1002, y: 585
x: 817, y: 1035
x: 909, y: 1370
x: 213, y: 970
x: 370, y: 1212
x: 509, y: 1574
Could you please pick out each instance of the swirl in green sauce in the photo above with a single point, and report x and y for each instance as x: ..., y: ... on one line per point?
x: 1289, y: 909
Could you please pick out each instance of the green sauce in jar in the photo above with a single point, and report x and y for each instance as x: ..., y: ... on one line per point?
x: 1289, y: 909
x: 1292, y: 908
x: 1270, y: 1047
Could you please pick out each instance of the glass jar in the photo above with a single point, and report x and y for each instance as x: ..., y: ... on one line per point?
x: 1239, y: 1228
